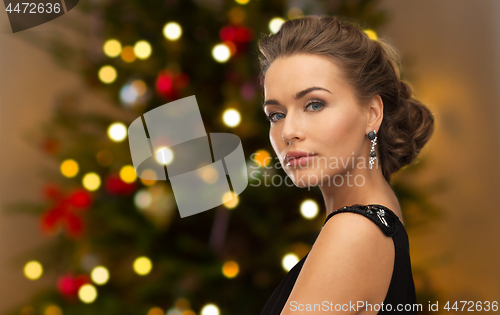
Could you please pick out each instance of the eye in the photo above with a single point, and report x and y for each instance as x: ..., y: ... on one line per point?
x: 270, y: 116
x: 316, y: 105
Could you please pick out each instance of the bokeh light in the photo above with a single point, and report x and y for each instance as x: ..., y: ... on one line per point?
x: 309, y: 209
x: 128, y: 54
x: 142, y: 49
x: 231, y: 117
x: 275, y: 24
x: 142, y: 265
x: 87, y: 293
x: 172, y: 31
x: 91, y: 181
x: 33, y: 270
x: 262, y: 158
x: 100, y: 275
x: 107, y: 74
x: 229, y: 201
x: 69, y: 168
x: 230, y: 269
x: 221, y: 53
x: 117, y: 131
x: 210, y: 309
x: 127, y: 174
x: 112, y: 48
x: 289, y: 261
x: 164, y: 155
x: 371, y: 34
x: 142, y: 199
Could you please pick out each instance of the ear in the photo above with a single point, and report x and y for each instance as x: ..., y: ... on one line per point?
x: 375, y: 114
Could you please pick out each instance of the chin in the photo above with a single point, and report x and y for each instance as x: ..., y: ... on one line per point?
x: 303, y: 178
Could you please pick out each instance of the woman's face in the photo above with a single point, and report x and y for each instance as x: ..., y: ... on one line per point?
x: 326, y: 121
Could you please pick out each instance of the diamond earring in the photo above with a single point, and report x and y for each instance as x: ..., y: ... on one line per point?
x: 372, y: 135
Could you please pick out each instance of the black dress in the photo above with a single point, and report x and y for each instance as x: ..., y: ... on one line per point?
x: 401, y: 288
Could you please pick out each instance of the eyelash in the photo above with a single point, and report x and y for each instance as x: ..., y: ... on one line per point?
x: 310, y: 103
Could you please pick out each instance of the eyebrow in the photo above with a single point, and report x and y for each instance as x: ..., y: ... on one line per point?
x: 297, y: 96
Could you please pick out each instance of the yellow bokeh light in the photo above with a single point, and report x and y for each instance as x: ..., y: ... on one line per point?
x: 142, y: 265
x: 262, y: 158
x: 275, y: 24
x: 309, y: 209
x: 69, y: 168
x: 91, y: 181
x: 230, y: 269
x: 53, y: 310
x: 172, y: 31
x: 164, y: 155
x: 148, y: 177
x: 188, y: 312
x: 221, y: 53
x: 100, y: 275
x: 289, y: 261
x: 127, y: 174
x: 231, y: 117
x: 33, y: 270
x: 107, y: 74
x: 371, y: 34
x: 242, y: 1
x: 156, y: 311
x: 210, y: 309
x: 117, y: 132
x: 209, y: 174
x: 87, y: 293
x: 128, y: 54
x: 142, y: 49
x: 229, y: 201
x: 112, y: 48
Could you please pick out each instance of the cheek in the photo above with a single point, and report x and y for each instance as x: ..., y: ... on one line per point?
x: 340, y: 132
x: 275, y: 138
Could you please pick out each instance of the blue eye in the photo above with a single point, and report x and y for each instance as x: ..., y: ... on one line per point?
x: 270, y: 116
x: 316, y: 103
x: 319, y: 106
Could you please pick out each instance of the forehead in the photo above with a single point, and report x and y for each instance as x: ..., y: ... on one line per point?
x: 291, y: 74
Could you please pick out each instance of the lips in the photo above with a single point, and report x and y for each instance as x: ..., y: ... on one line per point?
x: 297, y: 154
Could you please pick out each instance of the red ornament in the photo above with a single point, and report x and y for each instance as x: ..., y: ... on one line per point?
x: 227, y: 33
x: 62, y: 213
x: 116, y: 186
x: 80, y: 198
x: 165, y: 85
x: 243, y: 34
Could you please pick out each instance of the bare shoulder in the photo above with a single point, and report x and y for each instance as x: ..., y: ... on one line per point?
x: 352, y: 260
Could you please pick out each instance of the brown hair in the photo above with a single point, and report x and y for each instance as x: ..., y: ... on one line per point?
x: 372, y: 67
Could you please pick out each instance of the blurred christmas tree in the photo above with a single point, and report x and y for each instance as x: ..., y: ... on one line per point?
x: 119, y: 245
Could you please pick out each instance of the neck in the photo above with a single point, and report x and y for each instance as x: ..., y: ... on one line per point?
x: 359, y: 186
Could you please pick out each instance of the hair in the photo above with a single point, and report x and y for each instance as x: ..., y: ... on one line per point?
x: 372, y: 67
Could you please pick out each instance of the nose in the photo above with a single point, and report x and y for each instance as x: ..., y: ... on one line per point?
x: 291, y: 129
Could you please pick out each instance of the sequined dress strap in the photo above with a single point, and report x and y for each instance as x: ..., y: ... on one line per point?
x: 382, y: 216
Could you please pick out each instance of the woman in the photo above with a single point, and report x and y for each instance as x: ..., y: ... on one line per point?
x: 341, y: 118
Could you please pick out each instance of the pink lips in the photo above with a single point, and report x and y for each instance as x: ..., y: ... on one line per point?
x: 293, y: 158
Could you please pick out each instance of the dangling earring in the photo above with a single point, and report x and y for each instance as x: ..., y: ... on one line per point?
x: 372, y: 135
